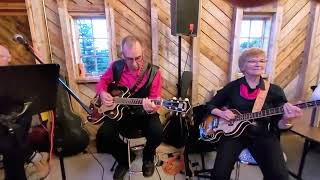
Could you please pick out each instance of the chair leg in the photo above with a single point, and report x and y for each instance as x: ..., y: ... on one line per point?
x: 202, y: 161
x: 129, y: 158
x: 113, y: 166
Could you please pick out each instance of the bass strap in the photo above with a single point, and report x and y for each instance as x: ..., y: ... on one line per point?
x: 261, y: 97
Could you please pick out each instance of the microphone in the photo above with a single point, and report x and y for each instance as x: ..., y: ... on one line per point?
x: 20, y: 39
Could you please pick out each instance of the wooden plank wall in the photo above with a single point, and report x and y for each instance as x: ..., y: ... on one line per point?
x: 316, y: 57
x: 215, y: 42
x: 314, y: 78
x: 11, y: 25
x: 55, y: 35
x: 291, y: 45
x: 14, y: 20
x: 168, y: 52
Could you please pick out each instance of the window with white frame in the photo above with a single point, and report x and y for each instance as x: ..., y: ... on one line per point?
x: 255, y: 32
x: 92, y: 44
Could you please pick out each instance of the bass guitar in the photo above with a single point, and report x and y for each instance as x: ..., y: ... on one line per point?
x: 213, y: 128
x: 121, y: 98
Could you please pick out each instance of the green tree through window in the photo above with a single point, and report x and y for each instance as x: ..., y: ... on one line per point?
x: 93, y: 43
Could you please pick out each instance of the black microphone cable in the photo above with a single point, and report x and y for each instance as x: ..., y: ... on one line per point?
x: 101, y: 165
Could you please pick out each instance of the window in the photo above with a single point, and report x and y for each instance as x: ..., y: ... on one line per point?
x: 255, y: 32
x: 92, y: 39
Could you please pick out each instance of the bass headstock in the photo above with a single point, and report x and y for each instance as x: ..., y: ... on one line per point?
x: 177, y: 105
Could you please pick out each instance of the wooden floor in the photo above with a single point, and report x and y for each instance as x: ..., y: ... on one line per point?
x: 85, y: 167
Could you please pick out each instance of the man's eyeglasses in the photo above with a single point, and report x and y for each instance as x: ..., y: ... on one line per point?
x: 133, y: 59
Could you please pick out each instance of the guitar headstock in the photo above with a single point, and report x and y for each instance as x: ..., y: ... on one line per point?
x: 177, y: 105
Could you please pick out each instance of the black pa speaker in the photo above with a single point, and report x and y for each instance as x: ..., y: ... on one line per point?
x: 184, y: 17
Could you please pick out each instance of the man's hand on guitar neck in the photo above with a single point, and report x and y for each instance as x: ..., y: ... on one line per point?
x: 149, y: 106
x: 106, y: 98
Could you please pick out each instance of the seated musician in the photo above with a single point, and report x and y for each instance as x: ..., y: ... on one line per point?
x: 13, y: 147
x: 146, y: 85
x: 261, y: 136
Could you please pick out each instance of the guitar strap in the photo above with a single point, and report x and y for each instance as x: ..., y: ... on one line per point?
x: 261, y: 97
x: 140, y: 77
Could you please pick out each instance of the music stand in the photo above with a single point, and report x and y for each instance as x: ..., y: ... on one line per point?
x: 31, y: 83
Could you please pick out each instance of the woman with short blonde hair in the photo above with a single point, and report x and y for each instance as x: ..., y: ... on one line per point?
x: 262, y: 137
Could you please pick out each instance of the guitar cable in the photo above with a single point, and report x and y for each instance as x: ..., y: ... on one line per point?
x: 51, y: 138
x: 94, y: 157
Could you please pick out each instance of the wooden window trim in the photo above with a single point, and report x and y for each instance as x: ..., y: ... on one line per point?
x: 74, y: 16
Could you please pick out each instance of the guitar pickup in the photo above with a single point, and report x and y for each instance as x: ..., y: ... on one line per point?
x: 215, y: 123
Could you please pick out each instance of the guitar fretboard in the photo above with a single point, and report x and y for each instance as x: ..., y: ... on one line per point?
x: 274, y: 111
x: 134, y: 101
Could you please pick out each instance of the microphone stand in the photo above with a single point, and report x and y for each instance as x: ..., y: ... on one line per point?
x: 59, y: 139
x: 30, y: 49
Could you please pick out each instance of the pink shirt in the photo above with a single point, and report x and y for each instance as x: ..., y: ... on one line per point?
x: 128, y: 79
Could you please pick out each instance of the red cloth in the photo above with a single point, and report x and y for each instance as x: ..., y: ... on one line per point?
x: 245, y: 94
x: 128, y: 79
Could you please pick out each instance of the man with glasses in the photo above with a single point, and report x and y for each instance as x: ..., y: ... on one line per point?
x: 13, y: 147
x: 144, y: 81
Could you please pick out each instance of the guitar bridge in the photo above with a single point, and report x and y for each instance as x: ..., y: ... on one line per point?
x: 230, y: 123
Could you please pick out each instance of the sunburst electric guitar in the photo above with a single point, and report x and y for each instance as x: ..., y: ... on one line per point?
x: 122, y: 99
x: 213, y: 128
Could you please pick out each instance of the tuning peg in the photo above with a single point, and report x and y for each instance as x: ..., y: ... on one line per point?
x: 174, y: 98
x: 186, y: 99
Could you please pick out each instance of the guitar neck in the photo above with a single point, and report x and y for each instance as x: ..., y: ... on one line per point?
x: 134, y: 101
x: 274, y: 111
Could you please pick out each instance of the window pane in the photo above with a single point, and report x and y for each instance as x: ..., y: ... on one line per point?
x: 93, y: 45
x: 255, y: 42
x: 89, y: 64
x: 256, y: 28
x: 267, y: 28
x: 245, y: 27
x: 86, y: 47
x: 102, y: 63
x: 266, y: 44
x: 84, y: 28
x: 244, y: 43
x: 101, y: 47
x: 99, y: 28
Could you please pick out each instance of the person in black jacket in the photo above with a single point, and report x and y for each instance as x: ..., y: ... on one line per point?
x: 16, y: 152
x: 262, y: 137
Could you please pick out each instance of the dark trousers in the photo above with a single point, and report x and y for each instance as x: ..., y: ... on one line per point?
x: 108, y: 140
x: 15, y: 151
x: 265, y: 149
